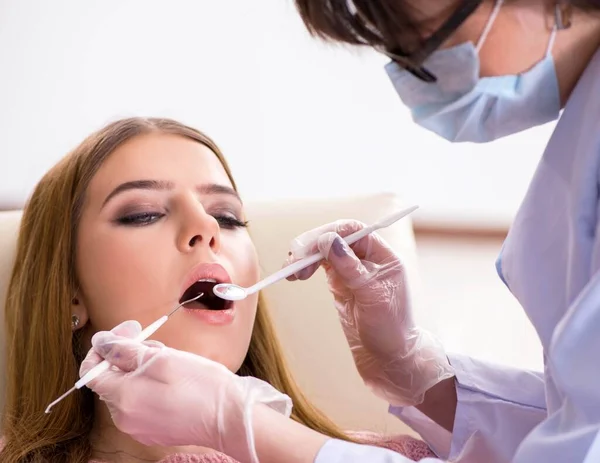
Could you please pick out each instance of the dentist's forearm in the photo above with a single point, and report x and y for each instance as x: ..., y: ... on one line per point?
x: 278, y: 438
x: 440, y: 403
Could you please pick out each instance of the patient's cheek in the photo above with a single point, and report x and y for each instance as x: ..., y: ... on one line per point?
x: 251, y: 272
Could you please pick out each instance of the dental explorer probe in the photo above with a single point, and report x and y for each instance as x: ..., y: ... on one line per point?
x: 105, y: 365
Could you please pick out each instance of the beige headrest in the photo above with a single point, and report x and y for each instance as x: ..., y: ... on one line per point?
x: 9, y: 230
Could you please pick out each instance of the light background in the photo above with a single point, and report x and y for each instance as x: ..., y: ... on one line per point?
x: 294, y: 117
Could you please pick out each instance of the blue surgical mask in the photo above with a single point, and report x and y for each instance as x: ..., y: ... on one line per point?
x: 462, y: 107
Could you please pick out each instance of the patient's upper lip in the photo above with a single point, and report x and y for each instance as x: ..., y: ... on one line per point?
x: 203, y: 271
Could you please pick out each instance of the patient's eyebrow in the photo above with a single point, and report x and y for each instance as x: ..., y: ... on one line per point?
x: 160, y: 185
x: 218, y: 189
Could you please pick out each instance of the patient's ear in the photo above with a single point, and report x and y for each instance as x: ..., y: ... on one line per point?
x: 79, y: 314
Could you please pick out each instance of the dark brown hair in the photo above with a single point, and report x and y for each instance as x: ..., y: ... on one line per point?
x: 382, y: 24
x: 376, y: 23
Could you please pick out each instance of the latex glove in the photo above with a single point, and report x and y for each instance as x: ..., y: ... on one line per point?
x: 398, y: 360
x: 163, y: 396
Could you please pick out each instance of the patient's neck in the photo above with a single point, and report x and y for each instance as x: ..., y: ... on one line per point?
x: 111, y: 445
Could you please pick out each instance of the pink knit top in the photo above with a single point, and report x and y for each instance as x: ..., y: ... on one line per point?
x: 409, y: 447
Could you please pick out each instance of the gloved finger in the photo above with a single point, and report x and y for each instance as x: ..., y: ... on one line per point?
x: 348, y: 227
x: 94, y: 356
x: 152, y: 343
x: 90, y: 361
x: 303, y: 274
x: 306, y: 245
x: 372, y: 247
x: 126, y: 354
x: 127, y: 329
x: 342, y: 260
x: 303, y: 246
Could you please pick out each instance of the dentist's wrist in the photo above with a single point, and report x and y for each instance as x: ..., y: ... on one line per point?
x: 440, y: 403
x: 278, y: 438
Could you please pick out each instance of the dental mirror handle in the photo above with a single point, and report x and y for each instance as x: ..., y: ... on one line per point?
x: 104, y: 365
x: 307, y: 261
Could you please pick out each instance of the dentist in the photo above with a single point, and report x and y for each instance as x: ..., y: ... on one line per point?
x: 475, y: 71
x: 469, y: 70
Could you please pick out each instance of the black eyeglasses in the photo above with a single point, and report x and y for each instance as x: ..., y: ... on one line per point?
x: 413, y: 62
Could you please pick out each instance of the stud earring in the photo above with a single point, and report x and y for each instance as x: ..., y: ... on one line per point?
x: 74, y: 321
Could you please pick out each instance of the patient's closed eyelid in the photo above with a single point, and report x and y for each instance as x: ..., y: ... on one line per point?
x: 223, y: 206
x: 139, y: 219
x: 138, y: 207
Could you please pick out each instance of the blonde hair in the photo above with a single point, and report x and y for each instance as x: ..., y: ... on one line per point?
x: 44, y: 354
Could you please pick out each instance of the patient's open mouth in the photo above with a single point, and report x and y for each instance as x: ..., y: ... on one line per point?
x: 208, y: 300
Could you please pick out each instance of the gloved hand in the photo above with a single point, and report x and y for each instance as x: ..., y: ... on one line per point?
x: 163, y: 396
x: 398, y: 360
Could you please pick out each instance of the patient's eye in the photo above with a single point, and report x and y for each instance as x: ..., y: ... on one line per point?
x: 140, y: 219
x: 229, y: 222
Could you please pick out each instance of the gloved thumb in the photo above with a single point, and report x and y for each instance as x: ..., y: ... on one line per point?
x: 128, y: 329
x: 342, y: 259
x: 126, y: 354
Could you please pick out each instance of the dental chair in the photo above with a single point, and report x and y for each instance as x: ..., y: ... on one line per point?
x: 303, y: 311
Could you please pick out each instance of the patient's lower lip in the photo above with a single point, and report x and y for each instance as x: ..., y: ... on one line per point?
x: 213, y: 317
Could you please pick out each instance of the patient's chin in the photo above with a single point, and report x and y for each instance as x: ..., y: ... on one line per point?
x: 232, y: 361
x: 227, y: 348
x: 231, y: 364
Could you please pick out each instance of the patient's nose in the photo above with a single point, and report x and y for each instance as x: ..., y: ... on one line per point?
x: 199, y: 229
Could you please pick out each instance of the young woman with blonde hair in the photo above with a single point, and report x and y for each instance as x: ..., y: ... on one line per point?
x: 120, y: 229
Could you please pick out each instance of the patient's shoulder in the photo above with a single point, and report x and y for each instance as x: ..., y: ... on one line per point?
x: 408, y: 446
x: 214, y: 457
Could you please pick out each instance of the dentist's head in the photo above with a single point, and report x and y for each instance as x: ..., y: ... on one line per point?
x: 470, y: 70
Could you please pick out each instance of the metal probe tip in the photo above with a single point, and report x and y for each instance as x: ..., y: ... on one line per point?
x: 184, y: 303
x: 49, y: 408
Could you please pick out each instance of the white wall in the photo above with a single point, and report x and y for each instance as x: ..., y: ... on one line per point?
x: 295, y: 118
x: 467, y: 305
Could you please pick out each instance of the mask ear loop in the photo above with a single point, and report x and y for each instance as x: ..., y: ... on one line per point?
x: 562, y: 20
x: 489, y: 24
x: 551, y: 41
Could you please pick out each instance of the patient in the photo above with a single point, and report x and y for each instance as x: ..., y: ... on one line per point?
x: 119, y: 230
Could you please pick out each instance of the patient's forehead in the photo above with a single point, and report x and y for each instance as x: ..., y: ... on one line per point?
x: 156, y: 156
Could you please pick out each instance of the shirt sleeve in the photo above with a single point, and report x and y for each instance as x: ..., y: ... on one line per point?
x: 497, y: 407
x: 338, y: 451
